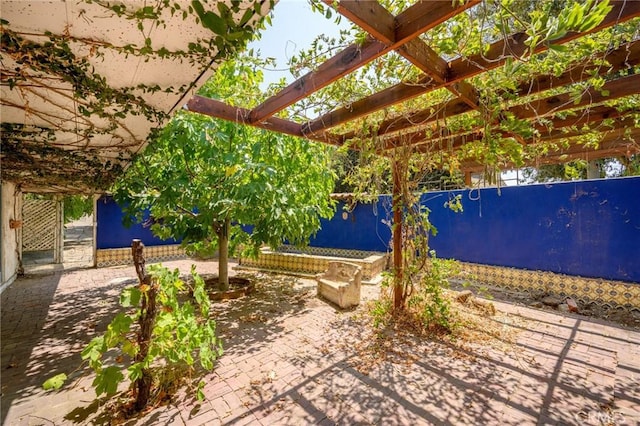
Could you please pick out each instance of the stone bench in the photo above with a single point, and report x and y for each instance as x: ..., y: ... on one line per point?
x: 341, y: 284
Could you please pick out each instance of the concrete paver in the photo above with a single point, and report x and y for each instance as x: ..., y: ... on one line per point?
x: 291, y: 359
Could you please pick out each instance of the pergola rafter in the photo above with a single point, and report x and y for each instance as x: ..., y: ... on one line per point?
x: 616, y: 141
x: 622, y: 58
x: 356, y: 56
x: 540, y: 108
x: 401, y: 34
x: 562, y: 129
x: 381, y: 24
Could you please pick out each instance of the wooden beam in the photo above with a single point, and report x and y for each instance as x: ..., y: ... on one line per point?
x: 464, y: 68
x: 514, y: 45
x: 466, y: 93
x: 613, y: 144
x: 625, y: 57
x: 591, y: 115
x: 217, y: 109
x: 622, y: 58
x: 411, y: 22
x: 625, y: 86
x: 370, y: 16
x: 454, y: 141
x: 353, y: 57
x: 381, y: 24
x: 561, y: 133
x: 343, y: 63
x: 415, y: 20
x: 426, y: 59
x: 362, y: 107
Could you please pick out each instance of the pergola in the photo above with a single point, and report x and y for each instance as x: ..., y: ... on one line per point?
x: 420, y: 129
x: 59, y: 138
x: 402, y: 34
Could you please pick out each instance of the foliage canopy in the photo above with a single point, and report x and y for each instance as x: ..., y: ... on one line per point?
x: 203, y: 179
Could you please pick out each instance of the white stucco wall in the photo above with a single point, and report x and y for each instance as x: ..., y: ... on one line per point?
x: 11, y: 201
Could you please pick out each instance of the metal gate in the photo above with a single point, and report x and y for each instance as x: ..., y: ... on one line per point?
x: 42, y: 227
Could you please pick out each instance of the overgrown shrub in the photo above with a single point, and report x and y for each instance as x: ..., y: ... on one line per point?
x: 181, y: 334
x: 427, y: 305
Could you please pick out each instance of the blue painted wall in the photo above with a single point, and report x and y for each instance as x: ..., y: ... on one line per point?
x: 588, y: 228
x: 111, y: 233
x: 366, y: 227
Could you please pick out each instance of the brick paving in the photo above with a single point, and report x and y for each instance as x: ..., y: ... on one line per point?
x: 291, y: 359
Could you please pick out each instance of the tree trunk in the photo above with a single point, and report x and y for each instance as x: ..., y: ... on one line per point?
x: 146, y: 321
x: 223, y: 255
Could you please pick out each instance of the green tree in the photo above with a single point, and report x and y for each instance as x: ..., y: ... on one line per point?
x: 76, y: 206
x: 206, y: 181
x: 577, y: 169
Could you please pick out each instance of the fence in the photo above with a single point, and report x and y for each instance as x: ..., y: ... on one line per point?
x: 586, y: 228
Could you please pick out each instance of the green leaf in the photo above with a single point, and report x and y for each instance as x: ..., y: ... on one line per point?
x: 214, y: 22
x: 94, y: 349
x: 55, y: 382
x: 235, y: 35
x: 197, y: 6
x: 199, y: 392
x: 129, y: 348
x: 248, y: 14
x: 558, y: 48
x: 130, y: 296
x: 209, y: 19
x: 135, y: 371
x: 107, y: 380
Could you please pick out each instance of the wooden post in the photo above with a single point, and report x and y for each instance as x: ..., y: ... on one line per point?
x: 467, y: 179
x: 397, y: 238
x: 593, y: 172
x: 58, y: 240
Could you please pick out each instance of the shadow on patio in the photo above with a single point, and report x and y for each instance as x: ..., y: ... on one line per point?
x: 293, y: 359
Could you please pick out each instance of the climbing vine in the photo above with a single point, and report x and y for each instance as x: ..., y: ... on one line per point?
x: 33, y: 157
x: 159, y: 331
x: 49, y: 63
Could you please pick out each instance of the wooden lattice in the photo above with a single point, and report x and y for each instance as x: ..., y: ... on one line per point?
x: 39, y: 225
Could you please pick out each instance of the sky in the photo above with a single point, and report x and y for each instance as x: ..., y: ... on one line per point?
x: 294, y: 27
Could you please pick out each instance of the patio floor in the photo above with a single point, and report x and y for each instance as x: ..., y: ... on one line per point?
x: 293, y: 359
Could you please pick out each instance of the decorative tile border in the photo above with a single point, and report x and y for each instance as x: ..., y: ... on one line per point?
x: 314, y: 260
x: 152, y: 254
x: 602, y: 292
x: 328, y: 252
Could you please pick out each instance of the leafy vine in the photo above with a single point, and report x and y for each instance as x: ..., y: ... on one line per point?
x: 44, y: 67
